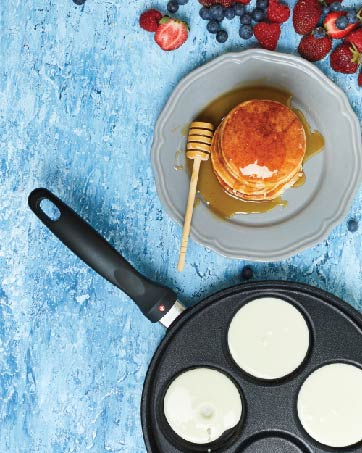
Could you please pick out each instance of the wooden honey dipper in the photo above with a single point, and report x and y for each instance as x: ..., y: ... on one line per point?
x: 198, y: 149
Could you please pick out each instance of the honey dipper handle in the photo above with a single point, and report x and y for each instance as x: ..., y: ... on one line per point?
x: 189, y: 212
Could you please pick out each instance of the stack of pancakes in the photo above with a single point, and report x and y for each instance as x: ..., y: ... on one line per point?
x: 257, y: 151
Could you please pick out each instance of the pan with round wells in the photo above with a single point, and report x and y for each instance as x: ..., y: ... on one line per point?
x: 258, y: 368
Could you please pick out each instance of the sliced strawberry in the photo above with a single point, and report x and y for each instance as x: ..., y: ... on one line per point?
x: 267, y: 34
x: 277, y: 12
x: 314, y: 49
x: 171, y: 33
x: 355, y: 37
x: 331, y: 27
x: 345, y: 58
x: 306, y: 15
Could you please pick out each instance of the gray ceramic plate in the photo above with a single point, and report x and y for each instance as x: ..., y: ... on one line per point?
x: 333, y: 176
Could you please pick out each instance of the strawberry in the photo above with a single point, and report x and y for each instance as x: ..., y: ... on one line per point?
x: 345, y: 58
x: 267, y: 34
x: 244, y: 2
x: 359, y: 80
x: 149, y: 20
x: 331, y: 27
x: 171, y: 33
x: 315, y: 46
x: 328, y: 2
x: 355, y: 37
x: 306, y: 16
x: 277, y: 12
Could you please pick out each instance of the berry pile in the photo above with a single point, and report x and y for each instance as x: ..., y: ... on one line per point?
x: 320, y: 23
x: 263, y: 21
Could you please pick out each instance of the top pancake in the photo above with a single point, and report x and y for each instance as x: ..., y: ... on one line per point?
x: 258, y: 150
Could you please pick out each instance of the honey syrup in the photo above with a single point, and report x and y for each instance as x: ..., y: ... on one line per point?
x: 209, y: 190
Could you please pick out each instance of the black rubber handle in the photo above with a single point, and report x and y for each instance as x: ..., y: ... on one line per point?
x: 153, y: 300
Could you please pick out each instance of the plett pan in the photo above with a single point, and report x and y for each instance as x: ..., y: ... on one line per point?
x: 199, y: 339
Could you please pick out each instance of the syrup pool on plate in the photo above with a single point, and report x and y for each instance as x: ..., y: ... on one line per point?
x: 209, y: 189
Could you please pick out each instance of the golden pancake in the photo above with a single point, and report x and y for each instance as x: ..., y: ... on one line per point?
x: 258, y: 150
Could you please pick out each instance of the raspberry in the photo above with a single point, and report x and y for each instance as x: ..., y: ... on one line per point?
x: 149, y: 20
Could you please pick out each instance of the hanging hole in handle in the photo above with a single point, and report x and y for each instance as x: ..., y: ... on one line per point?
x: 49, y: 209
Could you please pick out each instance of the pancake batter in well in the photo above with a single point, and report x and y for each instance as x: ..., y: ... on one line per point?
x: 268, y: 338
x: 201, y: 404
x: 330, y: 405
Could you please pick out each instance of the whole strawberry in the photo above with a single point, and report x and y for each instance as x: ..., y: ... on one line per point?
x: 171, y: 33
x: 150, y: 19
x: 316, y: 46
x: 277, y: 12
x: 306, y: 15
x: 267, y: 34
x: 355, y: 37
x: 345, y: 58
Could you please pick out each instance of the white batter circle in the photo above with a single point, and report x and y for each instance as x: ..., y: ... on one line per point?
x: 330, y: 405
x: 201, y: 404
x: 268, y: 338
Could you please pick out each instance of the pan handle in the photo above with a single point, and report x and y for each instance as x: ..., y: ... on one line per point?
x: 152, y: 299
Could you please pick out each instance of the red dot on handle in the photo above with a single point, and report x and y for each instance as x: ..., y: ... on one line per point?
x: 162, y: 308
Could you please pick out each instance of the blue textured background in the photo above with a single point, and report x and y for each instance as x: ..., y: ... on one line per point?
x: 80, y: 91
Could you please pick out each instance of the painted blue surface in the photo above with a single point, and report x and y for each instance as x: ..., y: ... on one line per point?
x: 80, y: 91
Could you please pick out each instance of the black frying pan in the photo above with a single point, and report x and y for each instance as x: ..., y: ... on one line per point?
x: 198, y: 338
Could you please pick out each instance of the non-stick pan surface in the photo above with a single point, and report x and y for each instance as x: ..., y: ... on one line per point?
x: 199, y: 338
x: 270, y: 423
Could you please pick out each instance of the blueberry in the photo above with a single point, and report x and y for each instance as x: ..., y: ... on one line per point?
x: 172, y: 6
x: 205, y: 13
x: 352, y: 16
x: 263, y: 4
x: 221, y: 36
x: 352, y: 225
x: 182, y: 2
x: 247, y: 273
x: 246, y: 31
x: 229, y: 13
x: 213, y: 26
x: 245, y: 19
x: 79, y: 2
x: 239, y: 9
x: 326, y: 10
x: 258, y: 14
x: 342, y: 23
x: 335, y: 6
x: 217, y: 12
x: 319, y: 33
